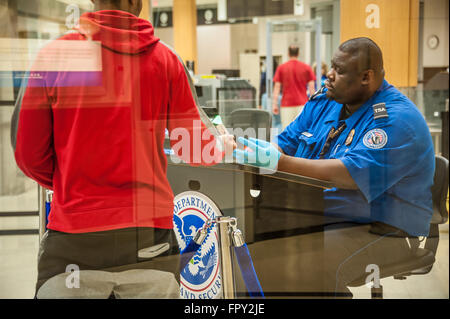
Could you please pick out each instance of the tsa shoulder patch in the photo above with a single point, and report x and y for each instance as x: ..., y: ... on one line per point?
x: 379, y: 110
x: 375, y: 139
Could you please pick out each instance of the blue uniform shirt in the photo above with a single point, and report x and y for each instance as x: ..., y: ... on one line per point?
x: 387, y: 149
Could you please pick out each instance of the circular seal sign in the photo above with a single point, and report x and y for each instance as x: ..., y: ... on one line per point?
x: 375, y: 139
x: 200, y: 279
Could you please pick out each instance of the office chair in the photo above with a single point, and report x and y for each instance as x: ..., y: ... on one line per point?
x: 252, y: 118
x: 423, y: 259
x: 244, y: 119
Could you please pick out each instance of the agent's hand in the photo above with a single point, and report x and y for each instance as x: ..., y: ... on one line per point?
x: 258, y: 152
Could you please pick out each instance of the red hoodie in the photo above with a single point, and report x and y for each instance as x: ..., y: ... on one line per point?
x: 96, y: 137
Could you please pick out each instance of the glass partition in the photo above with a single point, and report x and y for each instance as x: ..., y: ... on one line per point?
x: 96, y: 106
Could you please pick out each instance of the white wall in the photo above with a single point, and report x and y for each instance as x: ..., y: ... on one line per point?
x: 166, y: 35
x: 7, y: 25
x: 244, y: 37
x: 436, y: 22
x: 218, y: 46
x: 213, y: 48
x: 55, y: 30
x: 250, y: 69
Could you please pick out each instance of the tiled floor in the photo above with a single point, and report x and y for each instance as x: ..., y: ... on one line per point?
x: 18, y: 266
x: 18, y: 259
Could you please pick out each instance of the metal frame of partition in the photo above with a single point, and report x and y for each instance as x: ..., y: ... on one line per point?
x: 314, y: 25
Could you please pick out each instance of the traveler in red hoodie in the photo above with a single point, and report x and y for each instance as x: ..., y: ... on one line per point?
x: 95, y: 137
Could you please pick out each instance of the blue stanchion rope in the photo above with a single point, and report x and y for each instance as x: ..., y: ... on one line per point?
x: 244, y: 261
x: 47, y: 212
x: 248, y: 272
x: 188, y: 253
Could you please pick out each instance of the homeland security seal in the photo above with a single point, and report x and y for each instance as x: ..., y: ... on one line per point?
x: 200, y: 279
x: 375, y: 139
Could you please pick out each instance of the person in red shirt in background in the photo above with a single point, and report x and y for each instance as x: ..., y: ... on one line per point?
x: 292, y: 78
x: 96, y: 138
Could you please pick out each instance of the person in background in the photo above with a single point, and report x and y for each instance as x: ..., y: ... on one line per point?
x: 324, y: 72
x: 293, y: 78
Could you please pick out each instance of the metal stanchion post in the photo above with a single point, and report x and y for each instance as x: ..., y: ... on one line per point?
x: 42, y: 212
x: 226, y: 256
x: 45, y: 198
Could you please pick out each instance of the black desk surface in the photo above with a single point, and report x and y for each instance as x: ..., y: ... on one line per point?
x: 266, y: 173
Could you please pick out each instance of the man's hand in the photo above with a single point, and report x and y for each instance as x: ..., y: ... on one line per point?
x: 275, y: 108
x: 276, y: 94
x: 227, y: 144
x: 258, y: 152
x: 311, y: 88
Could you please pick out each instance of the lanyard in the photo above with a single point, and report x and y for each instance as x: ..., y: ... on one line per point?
x: 331, y: 136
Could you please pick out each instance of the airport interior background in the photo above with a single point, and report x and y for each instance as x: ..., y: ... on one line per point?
x: 225, y: 44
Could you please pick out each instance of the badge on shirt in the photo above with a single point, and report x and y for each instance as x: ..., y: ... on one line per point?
x: 349, y: 139
x: 379, y: 110
x: 375, y: 139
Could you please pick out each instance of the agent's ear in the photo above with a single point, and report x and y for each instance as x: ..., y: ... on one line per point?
x: 367, y: 77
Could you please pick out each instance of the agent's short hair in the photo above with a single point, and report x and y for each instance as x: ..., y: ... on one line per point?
x: 367, y: 49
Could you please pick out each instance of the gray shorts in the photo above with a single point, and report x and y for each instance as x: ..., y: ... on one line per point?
x: 123, y: 263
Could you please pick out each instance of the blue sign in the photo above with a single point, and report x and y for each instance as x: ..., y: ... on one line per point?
x: 200, y: 279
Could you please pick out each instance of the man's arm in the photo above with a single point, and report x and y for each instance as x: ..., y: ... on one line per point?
x: 311, y: 88
x: 32, y: 132
x: 270, y: 155
x: 276, y: 94
x: 332, y: 170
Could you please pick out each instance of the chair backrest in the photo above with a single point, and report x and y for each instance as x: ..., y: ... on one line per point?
x: 440, y: 191
x: 252, y: 118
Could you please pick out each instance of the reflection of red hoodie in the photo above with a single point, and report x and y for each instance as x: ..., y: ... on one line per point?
x: 96, y: 138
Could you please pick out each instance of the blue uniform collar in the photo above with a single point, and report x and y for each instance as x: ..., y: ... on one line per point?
x: 333, y: 116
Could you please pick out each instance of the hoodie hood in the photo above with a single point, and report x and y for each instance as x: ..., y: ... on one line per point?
x: 117, y: 30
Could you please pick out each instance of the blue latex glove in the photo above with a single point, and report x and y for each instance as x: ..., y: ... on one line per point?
x: 259, y: 153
